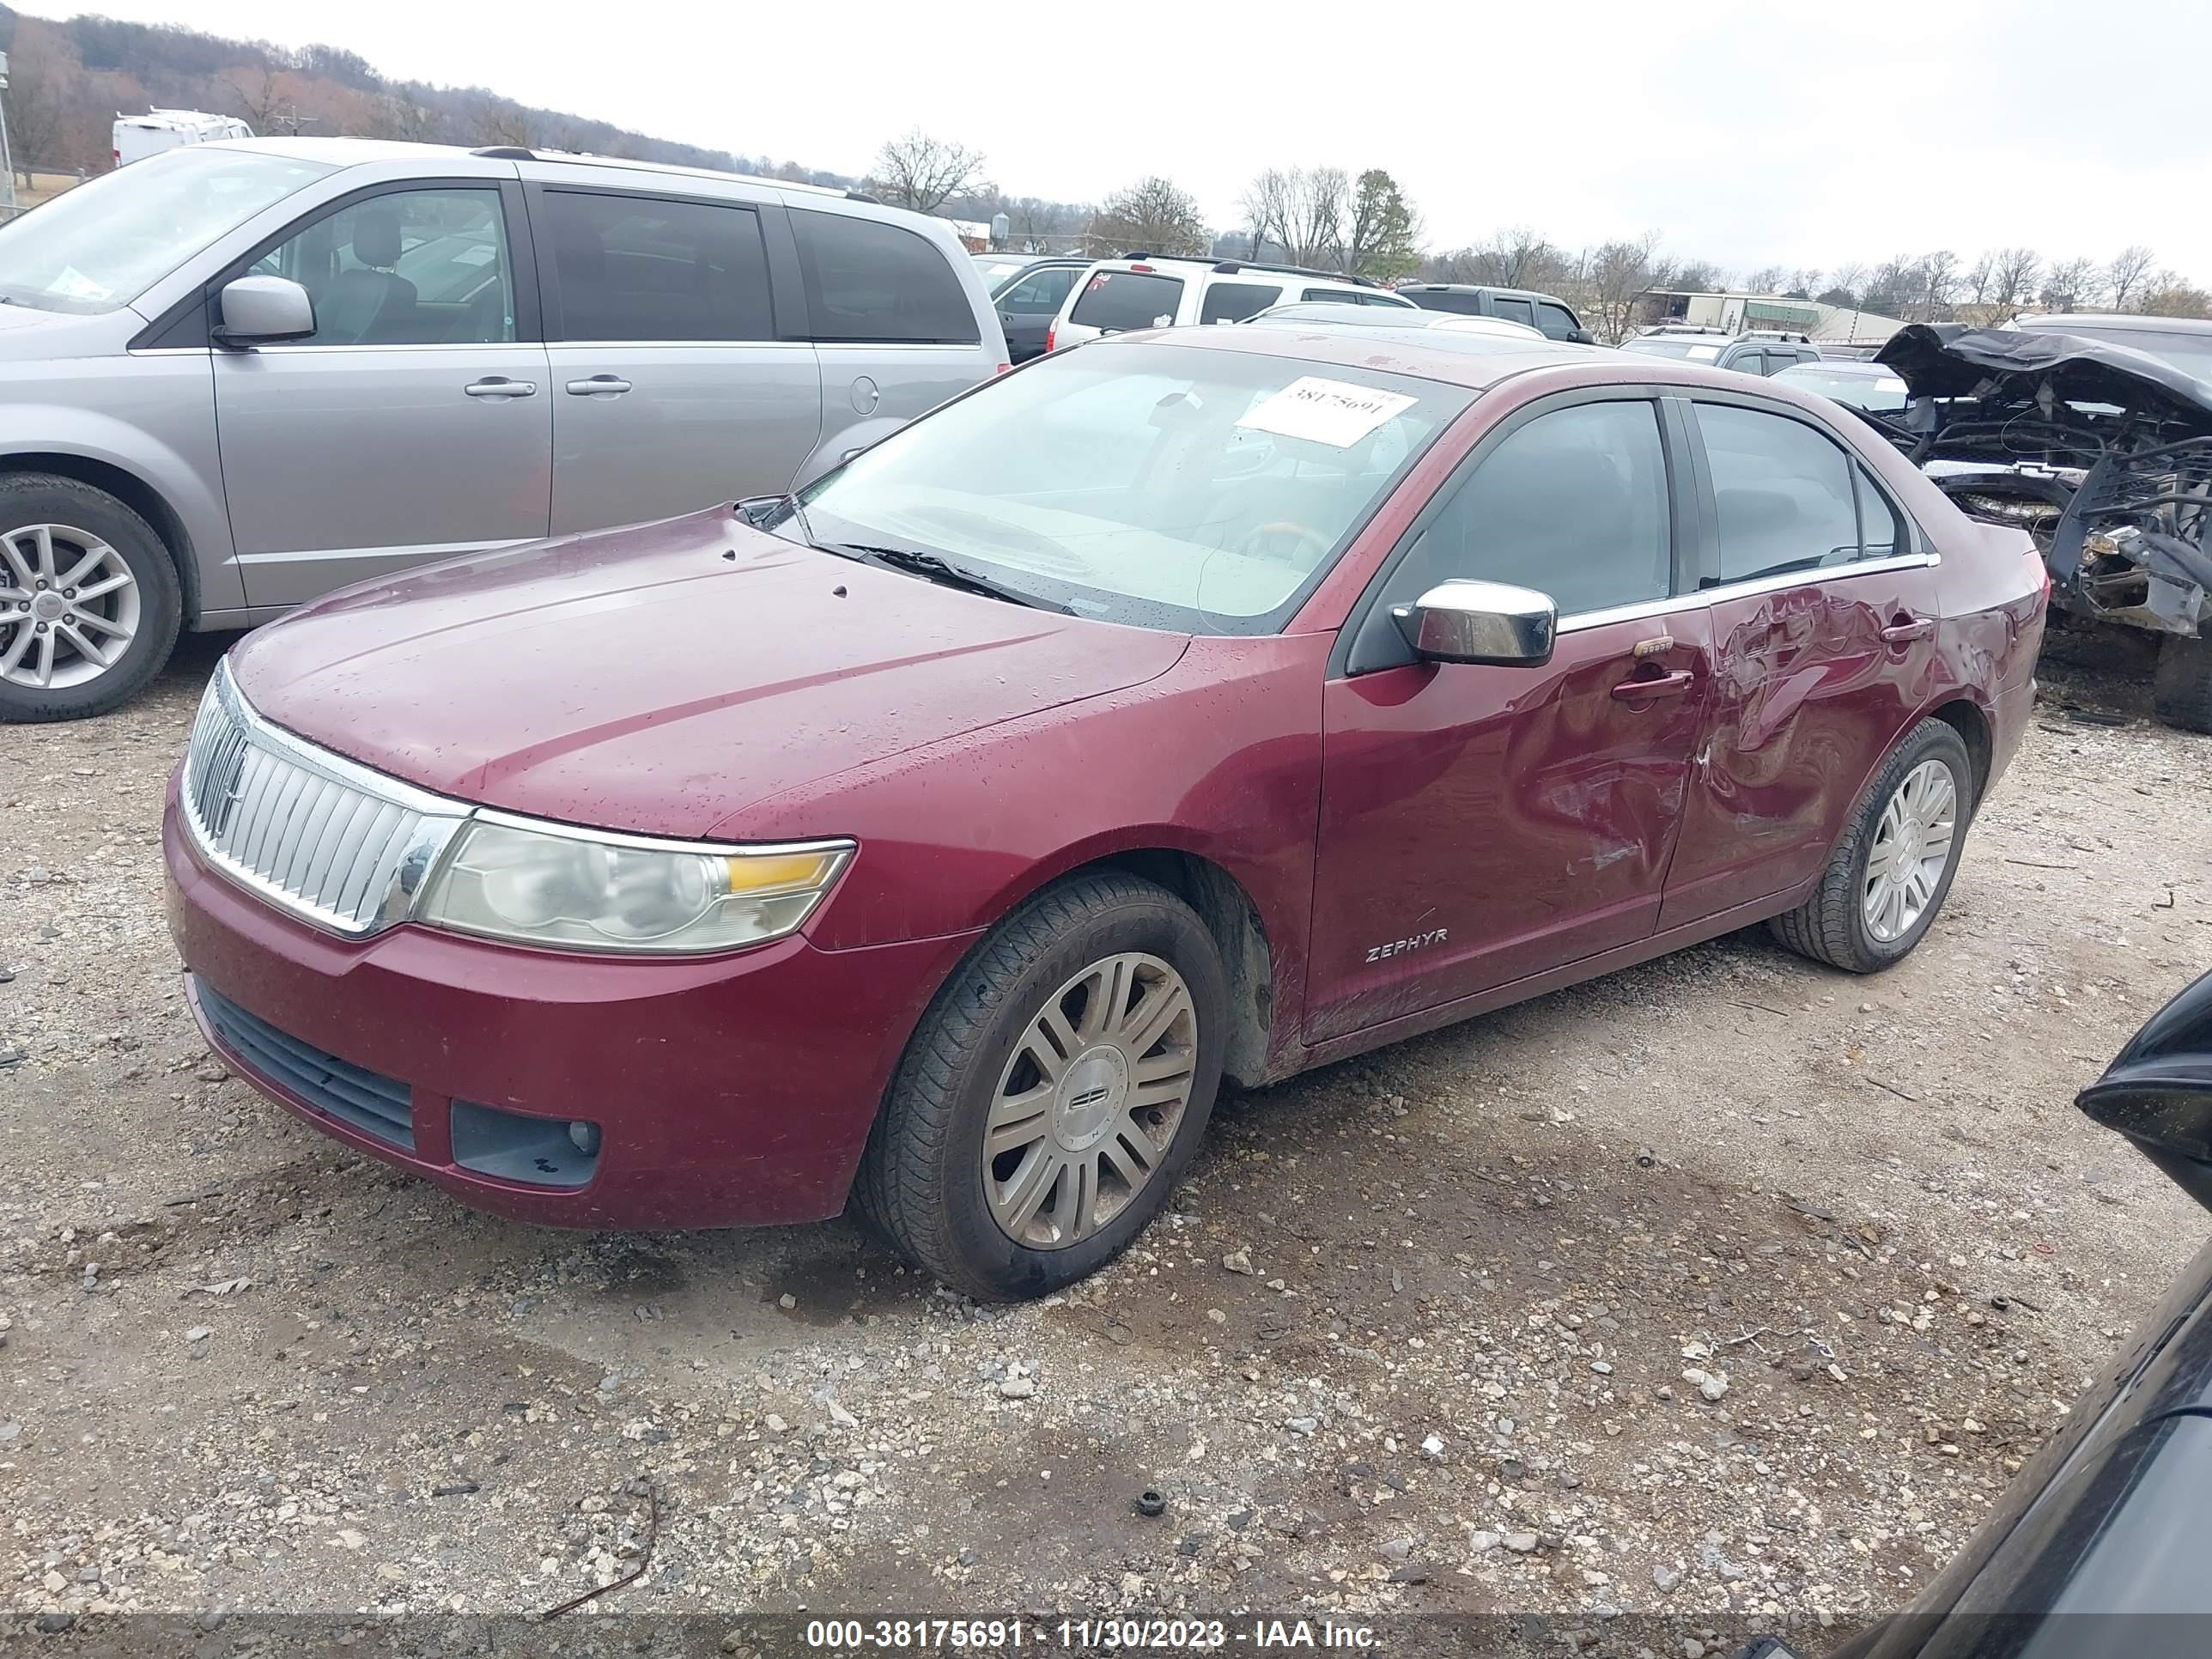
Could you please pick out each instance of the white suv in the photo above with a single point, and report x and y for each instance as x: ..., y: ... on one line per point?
x: 1147, y: 291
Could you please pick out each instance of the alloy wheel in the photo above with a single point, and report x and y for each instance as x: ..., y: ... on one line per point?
x: 69, y: 606
x: 1090, y: 1100
x: 1913, y: 842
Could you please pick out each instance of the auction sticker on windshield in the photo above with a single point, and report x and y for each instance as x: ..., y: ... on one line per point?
x: 1333, y: 412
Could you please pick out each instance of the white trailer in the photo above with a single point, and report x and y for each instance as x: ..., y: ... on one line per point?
x: 137, y: 136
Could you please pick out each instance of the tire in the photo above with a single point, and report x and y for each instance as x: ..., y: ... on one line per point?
x: 925, y: 1181
x: 2181, y: 693
x: 1834, y: 926
x: 49, y: 526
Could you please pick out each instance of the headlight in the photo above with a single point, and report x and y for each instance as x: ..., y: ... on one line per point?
x: 541, y: 884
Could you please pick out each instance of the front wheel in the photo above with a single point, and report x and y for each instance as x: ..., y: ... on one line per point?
x: 89, y: 600
x: 1054, y: 1092
x: 1890, y: 872
x: 2182, y: 694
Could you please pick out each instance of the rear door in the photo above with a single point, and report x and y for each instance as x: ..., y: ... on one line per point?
x: 1825, y: 615
x: 1231, y: 300
x: 672, y: 385
x: 896, y: 329
x: 1027, y: 308
x: 415, y: 422
x: 1479, y: 824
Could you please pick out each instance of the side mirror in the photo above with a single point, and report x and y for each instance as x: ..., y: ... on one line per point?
x: 1582, y: 337
x: 1481, y: 622
x: 2158, y: 1092
x: 265, y: 311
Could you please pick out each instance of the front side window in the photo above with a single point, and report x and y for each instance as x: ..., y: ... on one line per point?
x: 1149, y: 484
x: 1039, y: 294
x: 412, y: 267
x: 1574, y: 504
x: 100, y: 246
x: 1126, y: 300
x: 867, y: 281
x: 1783, y: 494
x: 637, y: 268
x: 1556, y: 321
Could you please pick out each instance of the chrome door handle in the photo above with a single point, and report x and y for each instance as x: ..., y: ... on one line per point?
x: 498, y: 385
x: 1904, y: 633
x: 600, y: 386
x: 1659, y: 685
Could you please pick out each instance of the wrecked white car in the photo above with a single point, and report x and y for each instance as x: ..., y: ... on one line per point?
x: 2103, y: 452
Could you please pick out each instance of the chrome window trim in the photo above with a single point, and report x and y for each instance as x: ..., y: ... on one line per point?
x: 1578, y: 621
x: 443, y: 820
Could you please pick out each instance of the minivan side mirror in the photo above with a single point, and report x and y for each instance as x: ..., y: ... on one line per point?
x: 1494, y: 623
x: 265, y: 311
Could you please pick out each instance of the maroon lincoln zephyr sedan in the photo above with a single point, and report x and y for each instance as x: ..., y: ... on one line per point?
x: 1208, y: 703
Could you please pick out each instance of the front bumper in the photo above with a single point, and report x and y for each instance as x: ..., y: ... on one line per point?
x: 731, y: 1090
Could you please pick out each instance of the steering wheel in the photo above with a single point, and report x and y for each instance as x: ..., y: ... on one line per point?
x: 1283, y: 539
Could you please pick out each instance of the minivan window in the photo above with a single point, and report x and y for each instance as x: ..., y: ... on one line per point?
x: 100, y: 246
x: 867, y: 281
x: 639, y: 268
x: 1782, y: 492
x: 1149, y: 484
x: 411, y: 267
x: 1557, y: 321
x: 1232, y: 302
x: 1128, y: 300
x: 1574, y: 504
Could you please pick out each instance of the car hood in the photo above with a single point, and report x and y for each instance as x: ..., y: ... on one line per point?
x: 1945, y: 359
x: 662, y: 677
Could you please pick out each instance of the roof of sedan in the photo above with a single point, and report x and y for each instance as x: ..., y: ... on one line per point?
x: 1474, y: 361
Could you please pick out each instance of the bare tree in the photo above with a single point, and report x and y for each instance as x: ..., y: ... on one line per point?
x: 1151, y: 215
x: 270, y: 99
x: 923, y: 172
x: 2170, y: 293
x: 36, y: 116
x: 2012, y: 279
x: 1266, y: 205
x: 2125, y: 277
x: 506, y: 124
x: 1937, y: 283
x: 2071, y: 284
x: 1767, y: 279
x: 1612, y: 276
x: 1981, y: 277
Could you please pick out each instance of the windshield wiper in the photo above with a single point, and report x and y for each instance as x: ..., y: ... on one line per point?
x: 945, y: 575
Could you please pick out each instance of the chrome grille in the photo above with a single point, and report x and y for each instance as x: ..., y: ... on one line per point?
x: 335, y: 843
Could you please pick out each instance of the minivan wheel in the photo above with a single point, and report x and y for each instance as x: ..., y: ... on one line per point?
x: 1891, y: 871
x: 2181, y: 696
x: 1053, y: 1093
x: 89, y: 599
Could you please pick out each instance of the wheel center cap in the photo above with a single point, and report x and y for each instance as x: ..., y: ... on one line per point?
x: 1089, y: 1099
x: 49, y: 606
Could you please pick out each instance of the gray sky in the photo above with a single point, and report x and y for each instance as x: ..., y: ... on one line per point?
x: 1796, y: 135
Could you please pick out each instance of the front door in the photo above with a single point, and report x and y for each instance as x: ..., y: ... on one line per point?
x: 1825, y: 617
x: 1026, y: 309
x: 671, y: 389
x: 415, y: 423
x: 1480, y: 824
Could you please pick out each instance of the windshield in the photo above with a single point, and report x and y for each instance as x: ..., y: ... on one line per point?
x: 995, y: 272
x: 1882, y: 393
x: 101, y: 246
x: 1159, y: 486
x: 1659, y: 345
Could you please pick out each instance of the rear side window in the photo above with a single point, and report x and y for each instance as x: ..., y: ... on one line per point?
x: 1340, y: 296
x: 632, y: 268
x: 1128, y: 298
x: 1513, y: 311
x: 1782, y: 493
x: 1574, y: 504
x: 1557, y: 321
x: 1232, y: 302
x: 871, y: 282
x: 1459, y: 304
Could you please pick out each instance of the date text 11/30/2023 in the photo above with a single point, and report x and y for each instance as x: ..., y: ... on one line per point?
x: 1082, y: 1634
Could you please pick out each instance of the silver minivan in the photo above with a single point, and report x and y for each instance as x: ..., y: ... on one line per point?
x: 237, y: 375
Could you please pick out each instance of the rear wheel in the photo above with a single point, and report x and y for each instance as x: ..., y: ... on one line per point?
x: 2182, y: 694
x: 89, y: 600
x: 1890, y: 872
x: 1054, y: 1092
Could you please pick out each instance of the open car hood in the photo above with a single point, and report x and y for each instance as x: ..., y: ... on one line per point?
x: 1948, y: 360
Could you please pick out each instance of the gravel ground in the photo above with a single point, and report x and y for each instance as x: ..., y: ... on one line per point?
x: 1723, y: 1287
